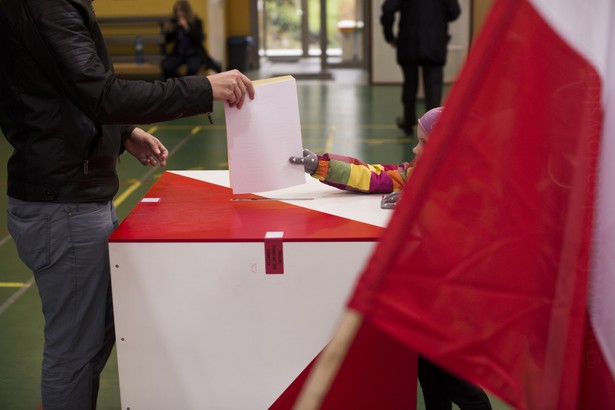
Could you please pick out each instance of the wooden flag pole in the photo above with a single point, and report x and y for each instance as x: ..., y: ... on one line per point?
x: 327, y: 365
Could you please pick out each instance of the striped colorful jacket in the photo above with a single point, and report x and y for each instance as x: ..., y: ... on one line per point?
x: 352, y: 174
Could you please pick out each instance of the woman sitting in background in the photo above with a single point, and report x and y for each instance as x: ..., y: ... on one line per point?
x: 185, y: 32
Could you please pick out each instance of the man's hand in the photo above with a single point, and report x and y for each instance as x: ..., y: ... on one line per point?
x: 181, y: 20
x: 146, y: 148
x: 231, y: 86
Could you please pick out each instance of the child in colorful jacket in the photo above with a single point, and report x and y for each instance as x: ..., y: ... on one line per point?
x: 352, y: 174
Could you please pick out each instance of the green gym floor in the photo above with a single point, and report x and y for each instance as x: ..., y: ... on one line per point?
x: 344, y: 115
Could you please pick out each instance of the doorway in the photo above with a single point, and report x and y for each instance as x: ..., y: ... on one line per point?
x: 298, y: 31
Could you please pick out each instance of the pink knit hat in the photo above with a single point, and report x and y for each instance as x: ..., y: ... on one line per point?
x: 429, y: 119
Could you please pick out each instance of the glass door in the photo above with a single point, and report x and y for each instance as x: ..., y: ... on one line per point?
x: 345, y: 21
x: 282, y: 27
x: 296, y: 29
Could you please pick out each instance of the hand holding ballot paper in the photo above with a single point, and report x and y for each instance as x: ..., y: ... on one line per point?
x: 262, y: 135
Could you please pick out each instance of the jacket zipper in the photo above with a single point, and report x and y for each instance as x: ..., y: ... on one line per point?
x: 86, y: 162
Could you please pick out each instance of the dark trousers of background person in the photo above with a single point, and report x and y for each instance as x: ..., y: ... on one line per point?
x: 441, y: 389
x: 193, y: 62
x: 433, y: 79
x: 66, y: 246
x: 172, y: 62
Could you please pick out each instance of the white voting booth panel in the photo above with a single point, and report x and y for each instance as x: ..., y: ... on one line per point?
x: 201, y: 326
x: 199, y: 323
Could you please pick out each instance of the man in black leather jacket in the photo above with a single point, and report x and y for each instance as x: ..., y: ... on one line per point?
x: 68, y: 119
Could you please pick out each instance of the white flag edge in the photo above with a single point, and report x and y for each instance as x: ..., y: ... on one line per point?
x: 588, y: 26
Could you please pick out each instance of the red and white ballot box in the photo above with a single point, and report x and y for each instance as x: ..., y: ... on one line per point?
x: 223, y: 301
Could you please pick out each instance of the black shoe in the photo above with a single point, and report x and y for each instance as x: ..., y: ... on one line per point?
x: 408, y: 130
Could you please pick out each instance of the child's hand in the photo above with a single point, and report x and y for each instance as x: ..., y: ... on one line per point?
x: 309, y: 161
x: 389, y: 201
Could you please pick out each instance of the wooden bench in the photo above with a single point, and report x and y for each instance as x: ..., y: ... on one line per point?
x: 143, y: 71
x: 120, y: 35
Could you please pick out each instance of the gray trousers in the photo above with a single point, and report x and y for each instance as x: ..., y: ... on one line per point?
x: 66, y: 246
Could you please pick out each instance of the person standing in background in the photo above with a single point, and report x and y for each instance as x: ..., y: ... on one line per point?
x: 68, y: 118
x: 421, y: 41
x: 185, y: 35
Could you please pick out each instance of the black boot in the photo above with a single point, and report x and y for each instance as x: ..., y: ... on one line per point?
x: 406, y: 128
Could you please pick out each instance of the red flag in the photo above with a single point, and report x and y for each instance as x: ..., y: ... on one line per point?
x: 484, y: 267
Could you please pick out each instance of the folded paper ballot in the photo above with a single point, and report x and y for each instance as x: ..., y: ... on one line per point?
x: 262, y: 135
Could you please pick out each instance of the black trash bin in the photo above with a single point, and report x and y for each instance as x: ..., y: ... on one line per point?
x: 238, y: 52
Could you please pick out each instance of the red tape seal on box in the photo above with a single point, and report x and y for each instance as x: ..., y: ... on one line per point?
x: 274, y: 253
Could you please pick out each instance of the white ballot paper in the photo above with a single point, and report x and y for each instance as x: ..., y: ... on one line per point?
x: 262, y: 135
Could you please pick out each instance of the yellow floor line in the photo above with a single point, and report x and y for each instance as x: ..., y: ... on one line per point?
x: 189, y: 126
x: 16, y: 295
x: 135, y: 185
x: 121, y: 198
x: 330, y: 139
x: 14, y: 285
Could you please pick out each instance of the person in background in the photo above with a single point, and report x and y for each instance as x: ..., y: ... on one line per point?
x: 440, y: 388
x: 68, y: 119
x: 421, y: 41
x: 184, y: 35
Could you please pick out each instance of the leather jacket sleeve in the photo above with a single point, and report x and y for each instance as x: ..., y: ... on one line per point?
x: 63, y: 110
x: 70, y: 47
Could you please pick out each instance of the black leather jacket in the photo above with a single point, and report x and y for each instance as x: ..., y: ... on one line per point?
x: 63, y: 110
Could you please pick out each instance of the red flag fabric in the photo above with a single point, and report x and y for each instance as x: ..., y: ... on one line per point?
x: 484, y: 266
